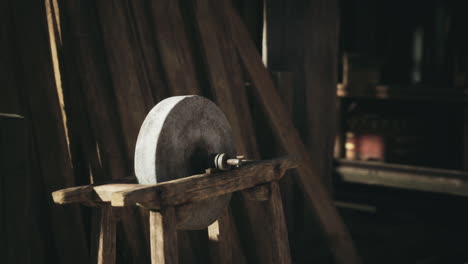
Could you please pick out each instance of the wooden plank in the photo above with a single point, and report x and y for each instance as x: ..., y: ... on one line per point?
x: 38, y: 85
x: 80, y: 137
x: 258, y: 193
x: 202, y: 186
x: 227, y: 83
x: 148, y: 56
x: 163, y: 237
x: 320, y: 64
x: 338, y: 237
x: 404, y: 177
x: 92, y: 193
x: 107, y: 237
x: 83, y: 45
x: 280, y: 244
x: 174, y: 49
x: 80, y: 194
x: 228, y: 90
x: 223, y: 239
x: 134, y: 98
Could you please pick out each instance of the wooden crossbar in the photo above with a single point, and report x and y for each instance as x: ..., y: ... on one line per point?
x: 168, y: 201
x: 176, y: 192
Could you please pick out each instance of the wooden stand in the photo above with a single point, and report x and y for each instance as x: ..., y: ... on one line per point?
x: 168, y: 201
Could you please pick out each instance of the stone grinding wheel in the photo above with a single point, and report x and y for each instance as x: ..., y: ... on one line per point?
x: 175, y: 141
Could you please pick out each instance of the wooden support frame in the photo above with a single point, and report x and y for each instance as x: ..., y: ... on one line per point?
x: 338, y: 237
x: 163, y: 236
x: 167, y: 201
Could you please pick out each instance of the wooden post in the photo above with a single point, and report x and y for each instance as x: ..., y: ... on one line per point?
x: 280, y: 244
x: 107, y: 234
x: 224, y: 239
x: 163, y: 237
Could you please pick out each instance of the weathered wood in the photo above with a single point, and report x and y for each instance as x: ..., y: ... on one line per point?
x: 85, y: 53
x: 285, y: 83
x: 82, y: 44
x: 105, y: 192
x: 221, y: 240
x: 92, y: 193
x: 338, y: 237
x: 148, y: 56
x: 80, y: 136
x: 227, y: 82
x: 280, y: 244
x: 79, y: 194
x: 107, y: 234
x: 257, y: 193
x: 163, y: 237
x: 133, y: 97
x: 228, y: 240
x: 38, y: 84
x: 320, y: 67
x: 174, y: 49
x: 202, y: 186
x: 404, y: 177
x: 231, y: 99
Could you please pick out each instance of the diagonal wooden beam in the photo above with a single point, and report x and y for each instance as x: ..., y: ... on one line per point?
x: 338, y: 237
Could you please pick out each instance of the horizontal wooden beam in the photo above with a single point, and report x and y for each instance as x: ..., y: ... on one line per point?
x: 91, y: 194
x: 80, y: 194
x: 179, y: 191
x: 202, y: 186
x: 403, y: 177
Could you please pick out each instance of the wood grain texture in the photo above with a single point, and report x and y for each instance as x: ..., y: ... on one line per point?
x: 79, y: 194
x: 338, y: 237
x: 173, y: 44
x: 225, y: 77
x: 107, y: 237
x: 82, y: 45
x: 320, y: 67
x: 134, y: 98
x: 43, y: 109
x: 92, y: 194
x: 280, y: 244
x: 163, y: 237
x: 403, y: 176
x: 202, y: 186
x: 148, y: 57
x: 227, y: 82
x: 223, y: 240
x: 257, y: 193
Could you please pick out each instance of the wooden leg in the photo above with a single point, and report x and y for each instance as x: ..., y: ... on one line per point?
x: 163, y: 237
x: 280, y: 244
x: 106, y: 249
x: 219, y: 241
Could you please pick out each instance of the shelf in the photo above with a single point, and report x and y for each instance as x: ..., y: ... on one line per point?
x: 408, y: 93
x: 404, y: 177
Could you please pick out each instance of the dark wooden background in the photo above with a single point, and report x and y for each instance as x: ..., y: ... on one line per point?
x: 85, y: 73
